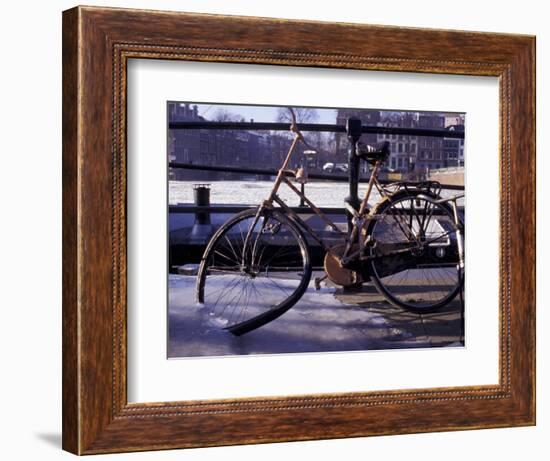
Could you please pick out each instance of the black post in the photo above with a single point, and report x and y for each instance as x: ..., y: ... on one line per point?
x: 201, y: 194
x: 354, y: 129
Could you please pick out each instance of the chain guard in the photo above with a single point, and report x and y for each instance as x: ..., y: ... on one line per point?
x: 338, y: 274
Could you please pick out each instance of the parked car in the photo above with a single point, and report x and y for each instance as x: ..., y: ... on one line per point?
x: 330, y: 167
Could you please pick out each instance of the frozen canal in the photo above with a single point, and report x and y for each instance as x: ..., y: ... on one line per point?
x: 322, y: 193
x: 322, y: 321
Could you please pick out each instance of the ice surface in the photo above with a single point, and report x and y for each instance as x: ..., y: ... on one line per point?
x: 319, y: 322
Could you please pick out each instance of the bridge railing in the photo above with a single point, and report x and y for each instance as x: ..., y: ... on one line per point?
x: 188, y: 251
x: 355, y: 125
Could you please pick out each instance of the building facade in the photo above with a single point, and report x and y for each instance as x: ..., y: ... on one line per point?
x: 233, y: 148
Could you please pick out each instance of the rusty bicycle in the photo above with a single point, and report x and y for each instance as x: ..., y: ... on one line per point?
x: 410, y: 245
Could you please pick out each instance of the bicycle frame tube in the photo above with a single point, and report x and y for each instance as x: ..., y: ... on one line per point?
x: 273, y: 193
x: 282, y: 170
x: 301, y: 222
x: 273, y: 197
x: 312, y: 205
x: 458, y: 234
x: 281, y: 178
x: 359, y: 219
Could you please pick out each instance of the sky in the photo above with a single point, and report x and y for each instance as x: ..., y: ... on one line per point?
x: 269, y: 113
x: 260, y: 113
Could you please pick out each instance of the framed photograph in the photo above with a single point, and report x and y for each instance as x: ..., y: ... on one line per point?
x: 282, y: 230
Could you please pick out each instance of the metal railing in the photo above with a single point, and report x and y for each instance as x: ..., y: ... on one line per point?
x: 277, y: 126
x: 353, y: 128
x: 353, y: 175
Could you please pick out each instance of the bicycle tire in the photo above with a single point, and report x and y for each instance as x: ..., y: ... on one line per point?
x: 412, y: 294
x: 286, y: 239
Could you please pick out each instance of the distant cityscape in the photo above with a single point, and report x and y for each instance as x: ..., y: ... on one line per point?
x: 412, y: 155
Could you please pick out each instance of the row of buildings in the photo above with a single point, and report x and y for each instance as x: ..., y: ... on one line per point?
x: 232, y: 148
x: 266, y: 150
x: 418, y: 154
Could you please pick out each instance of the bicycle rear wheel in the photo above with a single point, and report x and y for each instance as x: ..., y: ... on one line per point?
x: 415, y: 252
x: 254, y: 269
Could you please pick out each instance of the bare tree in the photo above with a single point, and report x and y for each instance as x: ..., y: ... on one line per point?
x: 223, y: 115
x: 303, y: 114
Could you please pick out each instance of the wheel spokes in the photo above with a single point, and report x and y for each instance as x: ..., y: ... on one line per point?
x: 416, y: 265
x: 254, y: 267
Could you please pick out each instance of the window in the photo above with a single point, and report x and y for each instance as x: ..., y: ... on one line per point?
x: 400, y: 148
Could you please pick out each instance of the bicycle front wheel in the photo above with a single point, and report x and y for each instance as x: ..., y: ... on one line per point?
x: 415, y: 252
x: 254, y: 269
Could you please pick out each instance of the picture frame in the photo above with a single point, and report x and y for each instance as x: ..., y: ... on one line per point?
x: 97, y: 44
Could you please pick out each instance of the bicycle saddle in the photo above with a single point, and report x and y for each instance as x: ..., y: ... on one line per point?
x: 373, y: 152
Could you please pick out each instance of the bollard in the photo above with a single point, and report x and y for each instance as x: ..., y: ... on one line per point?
x: 201, y: 194
x: 353, y: 128
x: 202, y: 228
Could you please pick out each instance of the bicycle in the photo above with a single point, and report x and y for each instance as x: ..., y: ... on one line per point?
x: 258, y: 265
